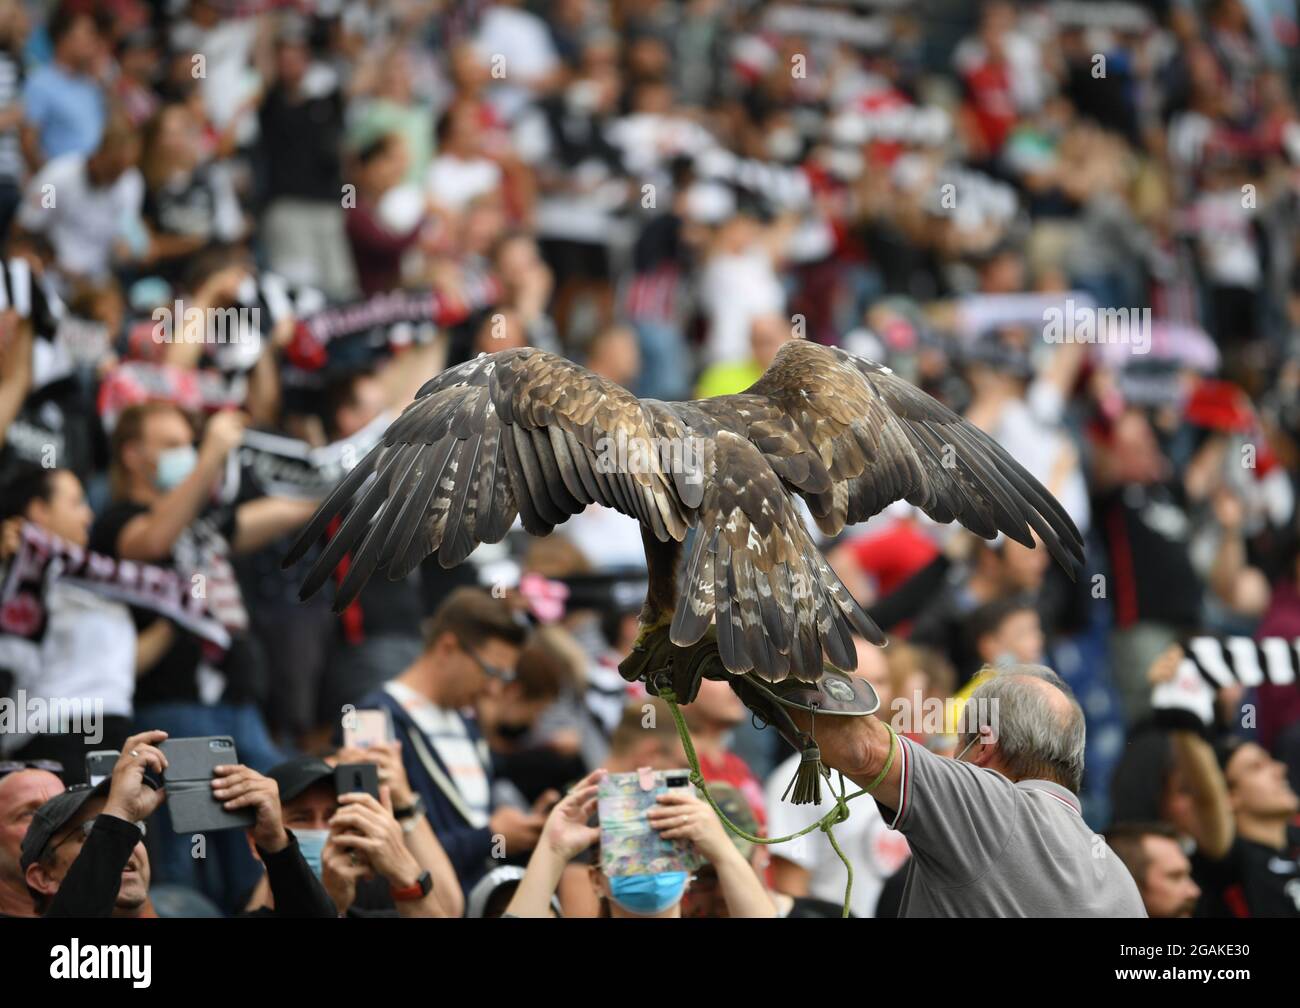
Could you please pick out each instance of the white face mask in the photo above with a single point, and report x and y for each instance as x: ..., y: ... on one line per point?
x: 174, y: 465
x: 311, y: 843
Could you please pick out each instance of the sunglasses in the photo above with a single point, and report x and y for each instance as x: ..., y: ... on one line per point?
x: 491, y: 671
x: 84, y: 831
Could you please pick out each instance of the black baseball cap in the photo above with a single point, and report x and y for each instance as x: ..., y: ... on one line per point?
x: 296, y: 775
x: 54, y: 815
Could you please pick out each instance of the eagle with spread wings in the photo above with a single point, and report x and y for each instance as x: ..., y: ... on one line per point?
x: 524, y: 432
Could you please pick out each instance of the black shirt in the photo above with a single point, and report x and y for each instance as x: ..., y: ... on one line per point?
x: 1147, y: 532
x: 200, y: 548
x: 301, y: 140
x: 1251, y: 880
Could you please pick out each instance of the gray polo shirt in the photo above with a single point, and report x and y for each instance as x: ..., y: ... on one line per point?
x: 985, y: 847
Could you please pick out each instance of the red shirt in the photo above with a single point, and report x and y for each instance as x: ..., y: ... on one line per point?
x: 731, y: 769
x: 893, y: 555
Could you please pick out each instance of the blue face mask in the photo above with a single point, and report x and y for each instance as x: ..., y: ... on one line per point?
x: 648, y: 894
x: 174, y: 465
x: 311, y: 842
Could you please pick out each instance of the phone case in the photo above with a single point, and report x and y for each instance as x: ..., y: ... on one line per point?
x: 628, y: 843
x: 357, y: 777
x: 363, y: 728
x: 188, y: 780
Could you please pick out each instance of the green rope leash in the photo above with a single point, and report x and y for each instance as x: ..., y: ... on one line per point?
x: 826, y: 823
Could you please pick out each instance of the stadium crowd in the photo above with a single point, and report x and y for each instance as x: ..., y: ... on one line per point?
x: 239, y: 235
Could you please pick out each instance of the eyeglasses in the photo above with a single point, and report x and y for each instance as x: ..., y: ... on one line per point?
x: 13, y: 766
x: 962, y: 755
x: 491, y: 671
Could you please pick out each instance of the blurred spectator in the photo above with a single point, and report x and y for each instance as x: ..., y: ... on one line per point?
x: 471, y: 647
x: 188, y: 204
x: 88, y: 204
x: 89, y: 649
x: 64, y: 105
x: 161, y: 512
x: 301, y: 130
x: 766, y: 334
x: 13, y: 32
x: 678, y: 815
x: 1158, y: 866
x: 379, y: 240
x: 711, y: 717
x: 1259, y: 876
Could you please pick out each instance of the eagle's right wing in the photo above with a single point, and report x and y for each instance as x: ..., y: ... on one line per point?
x: 852, y: 437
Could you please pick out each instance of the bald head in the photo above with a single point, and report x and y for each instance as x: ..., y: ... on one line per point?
x: 1038, y: 725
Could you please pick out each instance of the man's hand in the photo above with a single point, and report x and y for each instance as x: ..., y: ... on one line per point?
x: 388, y: 757
x: 858, y: 747
x: 239, y: 787
x: 341, y: 869
x: 567, y: 832
x: 520, y: 829
x: 366, y: 826
x: 222, y: 435
x: 129, y: 797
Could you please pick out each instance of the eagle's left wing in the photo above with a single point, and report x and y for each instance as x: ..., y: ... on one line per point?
x: 852, y: 437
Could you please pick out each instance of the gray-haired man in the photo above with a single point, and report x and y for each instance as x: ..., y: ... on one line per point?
x: 996, y: 832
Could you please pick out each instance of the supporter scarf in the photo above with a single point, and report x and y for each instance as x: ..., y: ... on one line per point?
x: 287, y: 467
x: 41, y: 557
x: 195, y: 390
x: 1230, y: 661
x: 317, y: 333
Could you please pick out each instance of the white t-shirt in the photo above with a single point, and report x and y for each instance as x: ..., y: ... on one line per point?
x: 608, y: 539
x: 228, y: 78
x: 445, y: 730
x: 453, y: 182
x: 874, y: 850
x: 80, y: 221
x: 87, y: 655
x: 1029, y: 430
x: 736, y: 289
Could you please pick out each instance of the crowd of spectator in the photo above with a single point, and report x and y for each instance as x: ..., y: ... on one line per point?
x: 1077, y: 225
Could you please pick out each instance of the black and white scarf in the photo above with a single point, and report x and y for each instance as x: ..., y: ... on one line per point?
x: 42, y: 557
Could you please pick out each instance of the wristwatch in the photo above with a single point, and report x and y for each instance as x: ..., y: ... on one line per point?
x: 410, y: 811
x: 416, y: 891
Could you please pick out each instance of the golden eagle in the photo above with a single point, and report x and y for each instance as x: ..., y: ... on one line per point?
x: 526, y: 432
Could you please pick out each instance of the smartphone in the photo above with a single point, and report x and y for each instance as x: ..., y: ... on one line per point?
x: 188, y: 780
x: 364, y: 728
x: 99, y: 764
x: 351, y: 778
x: 629, y: 845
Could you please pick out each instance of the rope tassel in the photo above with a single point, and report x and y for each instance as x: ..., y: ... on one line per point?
x: 805, y: 788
